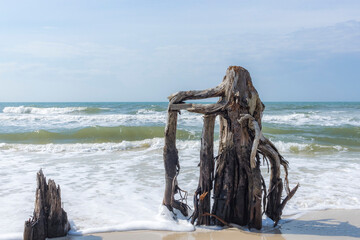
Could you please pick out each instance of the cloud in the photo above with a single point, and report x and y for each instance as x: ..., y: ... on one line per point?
x: 341, y: 38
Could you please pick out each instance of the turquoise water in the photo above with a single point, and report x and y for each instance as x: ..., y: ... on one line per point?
x: 107, y: 157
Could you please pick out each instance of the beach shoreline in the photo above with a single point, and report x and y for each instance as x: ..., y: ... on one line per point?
x: 108, y: 160
x: 324, y: 224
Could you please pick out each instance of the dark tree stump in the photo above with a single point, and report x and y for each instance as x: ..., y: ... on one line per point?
x: 238, y: 185
x: 49, y: 219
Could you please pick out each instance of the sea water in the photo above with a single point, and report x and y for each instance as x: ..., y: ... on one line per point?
x: 107, y: 158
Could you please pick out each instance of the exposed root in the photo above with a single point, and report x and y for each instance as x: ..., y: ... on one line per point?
x: 219, y: 219
x: 287, y: 198
x: 269, y: 152
x: 239, y: 189
x: 265, y: 194
x: 195, y: 214
x: 180, y: 204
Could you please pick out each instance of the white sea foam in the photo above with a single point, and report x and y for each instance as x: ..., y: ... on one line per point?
x: 11, y: 236
x: 146, y: 111
x: 314, y: 119
x: 292, y: 147
x: 101, y: 189
x: 83, y: 147
x: 120, y: 186
x: 31, y: 122
x: 163, y: 221
x: 43, y: 111
x: 155, y: 143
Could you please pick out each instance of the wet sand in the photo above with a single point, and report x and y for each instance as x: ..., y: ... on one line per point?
x: 328, y: 224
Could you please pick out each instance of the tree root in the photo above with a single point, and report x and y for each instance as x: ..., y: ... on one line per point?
x: 237, y: 182
x: 219, y: 219
x: 267, y: 149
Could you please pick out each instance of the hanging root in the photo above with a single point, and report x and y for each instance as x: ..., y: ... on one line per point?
x: 287, y: 198
x: 274, y: 209
x: 180, y: 204
x: 265, y: 194
x: 272, y: 202
x: 195, y: 214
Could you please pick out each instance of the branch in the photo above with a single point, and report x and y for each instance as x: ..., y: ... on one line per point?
x: 207, y: 93
x: 198, y: 108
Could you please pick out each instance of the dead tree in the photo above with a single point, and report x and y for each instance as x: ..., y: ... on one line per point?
x: 49, y: 219
x: 239, y: 190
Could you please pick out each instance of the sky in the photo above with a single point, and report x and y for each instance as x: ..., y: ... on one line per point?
x: 85, y: 50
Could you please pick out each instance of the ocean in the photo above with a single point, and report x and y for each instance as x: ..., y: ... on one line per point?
x: 107, y: 158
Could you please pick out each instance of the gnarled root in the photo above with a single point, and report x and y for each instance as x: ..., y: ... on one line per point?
x: 272, y: 204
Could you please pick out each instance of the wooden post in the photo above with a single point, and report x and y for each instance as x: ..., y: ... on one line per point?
x: 171, y: 159
x: 206, y: 172
x: 172, y: 166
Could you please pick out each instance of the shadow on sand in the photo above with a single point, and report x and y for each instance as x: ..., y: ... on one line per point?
x: 320, y: 227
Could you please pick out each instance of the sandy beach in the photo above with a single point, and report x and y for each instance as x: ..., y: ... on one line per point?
x: 327, y: 224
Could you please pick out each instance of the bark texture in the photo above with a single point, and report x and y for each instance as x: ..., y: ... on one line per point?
x: 172, y: 167
x: 49, y: 219
x: 203, y: 194
x: 239, y: 190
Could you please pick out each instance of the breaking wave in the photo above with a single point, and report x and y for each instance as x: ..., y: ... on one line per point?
x: 52, y: 110
x: 95, y: 134
x: 313, y: 119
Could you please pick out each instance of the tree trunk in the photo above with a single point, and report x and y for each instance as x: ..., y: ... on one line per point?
x: 238, y: 183
x: 172, y: 166
x: 49, y: 219
x: 202, y: 204
x: 237, y: 190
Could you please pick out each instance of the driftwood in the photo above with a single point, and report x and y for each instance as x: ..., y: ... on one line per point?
x: 49, y: 219
x: 202, y: 204
x: 238, y: 185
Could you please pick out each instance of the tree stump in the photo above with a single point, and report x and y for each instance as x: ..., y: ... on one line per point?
x: 238, y: 185
x: 49, y: 219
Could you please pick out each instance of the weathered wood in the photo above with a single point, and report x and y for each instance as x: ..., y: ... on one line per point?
x: 238, y: 184
x: 208, y: 93
x: 49, y: 219
x: 199, y: 108
x: 203, y: 207
x: 274, y: 205
x: 172, y: 166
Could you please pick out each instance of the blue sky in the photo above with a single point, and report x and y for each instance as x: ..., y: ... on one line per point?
x: 145, y: 50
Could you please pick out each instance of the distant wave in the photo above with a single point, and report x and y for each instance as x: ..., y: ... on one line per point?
x: 52, y: 110
x: 308, y: 148
x: 95, y: 134
x: 348, y: 136
x: 313, y: 119
x: 84, y: 147
x: 158, y: 143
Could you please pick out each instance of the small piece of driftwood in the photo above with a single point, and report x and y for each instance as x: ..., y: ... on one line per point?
x: 49, y: 219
